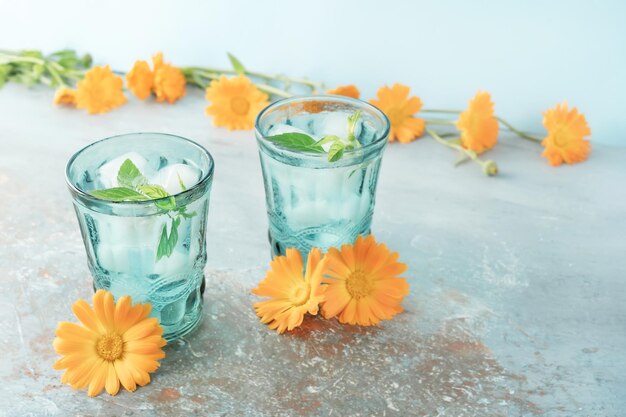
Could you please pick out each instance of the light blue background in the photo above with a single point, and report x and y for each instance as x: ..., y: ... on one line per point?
x: 529, y: 54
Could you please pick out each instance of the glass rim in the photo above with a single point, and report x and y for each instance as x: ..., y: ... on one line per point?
x: 325, y: 97
x: 77, y: 192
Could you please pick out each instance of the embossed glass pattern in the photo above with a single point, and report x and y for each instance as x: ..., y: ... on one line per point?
x: 312, y: 202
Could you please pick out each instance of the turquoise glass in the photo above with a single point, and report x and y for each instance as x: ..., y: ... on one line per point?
x: 122, y: 238
x: 312, y: 202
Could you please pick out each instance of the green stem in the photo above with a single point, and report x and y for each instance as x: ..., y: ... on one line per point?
x: 440, y: 122
x: 196, y: 72
x: 506, y: 124
x: 440, y: 111
x: 272, y: 77
x: 56, y: 76
x: 519, y: 133
x: 17, y: 58
x: 489, y: 167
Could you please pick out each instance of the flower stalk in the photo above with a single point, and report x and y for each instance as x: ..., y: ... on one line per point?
x: 490, y: 168
x: 202, y: 76
x: 508, y: 126
x: 30, y: 67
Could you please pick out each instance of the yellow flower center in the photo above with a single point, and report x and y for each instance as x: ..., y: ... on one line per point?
x: 359, y: 284
x: 300, y: 295
x: 240, y: 105
x: 110, y: 347
x: 560, y: 138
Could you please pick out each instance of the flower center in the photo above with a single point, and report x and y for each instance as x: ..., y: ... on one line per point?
x: 560, y: 138
x: 110, y: 347
x: 240, y: 106
x: 300, y: 295
x: 359, y: 284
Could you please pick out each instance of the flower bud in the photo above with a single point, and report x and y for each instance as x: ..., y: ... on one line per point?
x: 490, y: 168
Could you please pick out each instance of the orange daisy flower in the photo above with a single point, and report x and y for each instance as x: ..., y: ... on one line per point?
x: 363, y: 283
x: 169, y: 81
x: 235, y: 102
x: 140, y: 80
x: 65, y: 95
x: 566, y: 136
x: 400, y: 109
x: 114, y: 343
x: 292, y: 293
x: 100, y: 91
x: 346, y: 90
x: 478, y: 124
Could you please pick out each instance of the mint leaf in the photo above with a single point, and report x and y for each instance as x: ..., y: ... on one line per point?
x: 167, y: 243
x: 237, y: 65
x: 296, y: 142
x: 328, y: 139
x: 336, y: 151
x: 129, y: 175
x: 152, y: 191
x: 180, y: 181
x: 156, y: 192
x: 352, y: 121
x: 118, y: 194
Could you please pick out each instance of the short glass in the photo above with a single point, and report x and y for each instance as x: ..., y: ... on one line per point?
x: 312, y: 202
x: 122, y: 238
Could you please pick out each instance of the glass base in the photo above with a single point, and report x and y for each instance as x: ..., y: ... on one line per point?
x: 187, y: 325
x: 186, y: 312
x: 279, y: 248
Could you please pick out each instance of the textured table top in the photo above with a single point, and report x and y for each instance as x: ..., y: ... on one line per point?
x: 517, y: 304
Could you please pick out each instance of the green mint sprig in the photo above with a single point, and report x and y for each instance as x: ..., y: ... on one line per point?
x: 302, y: 142
x: 133, y: 186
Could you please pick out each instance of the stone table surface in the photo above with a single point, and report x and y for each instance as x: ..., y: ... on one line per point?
x: 517, y: 304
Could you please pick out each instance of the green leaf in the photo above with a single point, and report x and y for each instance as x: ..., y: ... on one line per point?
x: 180, y: 181
x: 328, y: 139
x: 118, y: 194
x: 336, y: 151
x: 168, y: 243
x: 156, y: 192
x: 182, y: 211
x: 152, y: 191
x: 163, y: 247
x: 237, y: 65
x: 129, y: 175
x: 296, y: 142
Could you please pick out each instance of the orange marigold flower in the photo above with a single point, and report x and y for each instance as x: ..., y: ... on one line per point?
x: 400, y: 109
x: 169, y: 83
x: 65, y: 95
x: 140, y: 80
x: 235, y: 102
x: 157, y: 60
x: 346, y: 90
x: 100, y: 91
x: 114, y: 343
x: 566, y: 136
x: 478, y: 124
x: 292, y: 292
x: 363, y: 283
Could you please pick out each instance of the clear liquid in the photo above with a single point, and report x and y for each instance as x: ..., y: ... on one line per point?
x: 322, y: 208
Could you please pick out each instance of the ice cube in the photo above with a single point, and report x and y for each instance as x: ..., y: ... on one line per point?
x: 334, y: 123
x: 107, y: 173
x: 175, y: 264
x: 283, y: 128
x: 171, y: 176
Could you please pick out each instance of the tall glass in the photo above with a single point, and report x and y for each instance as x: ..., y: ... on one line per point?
x: 312, y: 202
x: 123, y: 239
